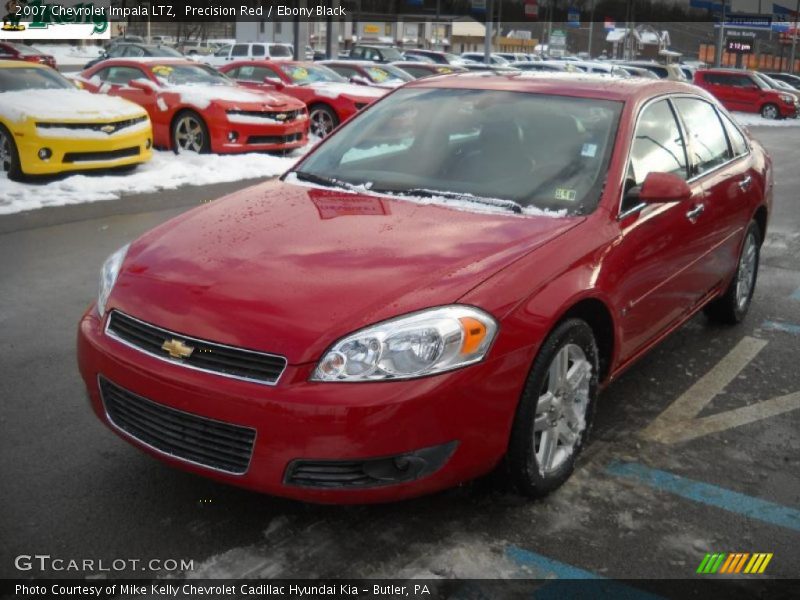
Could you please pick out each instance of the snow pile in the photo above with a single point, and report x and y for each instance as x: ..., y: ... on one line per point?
x: 70, y: 55
x: 756, y: 120
x: 67, y: 105
x: 165, y: 171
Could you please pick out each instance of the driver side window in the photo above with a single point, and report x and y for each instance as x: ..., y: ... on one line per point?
x: 658, y: 147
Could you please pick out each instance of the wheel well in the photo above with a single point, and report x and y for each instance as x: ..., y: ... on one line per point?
x: 761, y: 219
x: 598, y: 317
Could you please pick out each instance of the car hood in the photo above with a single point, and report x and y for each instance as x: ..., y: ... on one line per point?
x: 65, y: 106
x: 350, y: 90
x: 201, y: 96
x: 289, y: 269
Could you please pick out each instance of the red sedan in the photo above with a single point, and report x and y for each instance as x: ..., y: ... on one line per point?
x: 195, y: 108
x: 432, y: 290
x: 330, y: 98
x: 13, y: 51
x: 364, y: 72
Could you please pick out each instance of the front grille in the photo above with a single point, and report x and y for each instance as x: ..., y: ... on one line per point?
x: 108, y: 127
x: 288, y: 115
x: 369, y: 472
x: 202, y: 441
x: 74, y: 157
x: 275, y: 139
x: 206, y: 356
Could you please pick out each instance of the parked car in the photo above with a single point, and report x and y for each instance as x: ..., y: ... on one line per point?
x: 330, y: 98
x: 48, y: 126
x: 777, y: 85
x: 497, y: 69
x: 742, y: 91
x: 663, y: 71
x: 604, y: 68
x: 197, y: 47
x: 125, y: 39
x: 792, y: 80
x: 418, y: 70
x: 375, y: 53
x: 369, y: 73
x: 434, y: 56
x: 514, y: 56
x: 432, y: 290
x: 540, y: 65
x: 14, y: 51
x: 248, y: 51
x: 194, y: 108
x: 478, y: 57
x: 126, y: 50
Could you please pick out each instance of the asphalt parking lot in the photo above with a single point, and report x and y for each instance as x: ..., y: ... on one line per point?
x: 652, y: 495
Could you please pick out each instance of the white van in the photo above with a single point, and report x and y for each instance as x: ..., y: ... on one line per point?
x: 249, y: 51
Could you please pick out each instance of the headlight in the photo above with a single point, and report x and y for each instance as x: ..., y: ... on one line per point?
x: 788, y: 99
x: 423, y: 343
x: 108, y: 276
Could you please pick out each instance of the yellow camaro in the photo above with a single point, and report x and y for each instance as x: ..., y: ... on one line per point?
x: 49, y: 126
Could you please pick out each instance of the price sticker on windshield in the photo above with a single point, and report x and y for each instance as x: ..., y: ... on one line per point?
x: 161, y: 70
x: 566, y: 194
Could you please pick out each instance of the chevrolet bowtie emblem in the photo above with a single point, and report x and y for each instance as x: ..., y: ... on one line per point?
x: 108, y: 129
x: 177, y: 349
x: 281, y: 116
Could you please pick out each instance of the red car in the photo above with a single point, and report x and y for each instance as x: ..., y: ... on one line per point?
x: 195, y: 108
x: 330, y: 98
x: 369, y: 73
x: 743, y: 91
x: 418, y: 70
x: 13, y: 51
x: 432, y: 290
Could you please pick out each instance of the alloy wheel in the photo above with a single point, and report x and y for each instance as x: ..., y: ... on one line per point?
x: 745, y: 276
x: 321, y: 122
x: 189, y: 134
x: 561, y: 410
x: 769, y: 112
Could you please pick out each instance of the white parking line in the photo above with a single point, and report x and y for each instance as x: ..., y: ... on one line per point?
x: 678, y: 423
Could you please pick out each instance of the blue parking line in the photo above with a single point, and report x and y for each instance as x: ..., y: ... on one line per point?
x: 712, y: 495
x: 780, y: 326
x: 567, y: 583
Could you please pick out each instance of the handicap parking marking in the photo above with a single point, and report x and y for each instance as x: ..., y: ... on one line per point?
x: 781, y: 326
x: 679, y: 422
x: 711, y: 495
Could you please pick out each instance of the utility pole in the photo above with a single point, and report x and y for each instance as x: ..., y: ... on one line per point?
x: 794, y: 38
x: 487, y: 40
x: 591, y: 31
x: 720, y: 38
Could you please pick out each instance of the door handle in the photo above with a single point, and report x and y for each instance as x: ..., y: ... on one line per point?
x: 695, y: 212
x: 744, y: 184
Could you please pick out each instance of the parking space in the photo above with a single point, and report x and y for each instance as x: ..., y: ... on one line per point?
x: 695, y: 450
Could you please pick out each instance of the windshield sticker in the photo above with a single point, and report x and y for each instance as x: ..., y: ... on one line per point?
x: 299, y: 73
x: 161, y: 70
x: 566, y: 195
x: 378, y: 75
x: 589, y: 150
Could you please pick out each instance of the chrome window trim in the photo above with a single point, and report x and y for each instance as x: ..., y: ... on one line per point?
x: 128, y: 434
x: 177, y: 363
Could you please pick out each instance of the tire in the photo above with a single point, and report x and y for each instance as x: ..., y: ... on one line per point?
x: 189, y: 133
x: 770, y: 111
x: 536, y: 466
x: 9, y: 156
x: 731, y: 308
x: 322, y: 120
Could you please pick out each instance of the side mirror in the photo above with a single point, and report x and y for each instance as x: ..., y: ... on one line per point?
x: 141, y: 85
x: 358, y: 80
x: 278, y: 85
x: 663, y: 187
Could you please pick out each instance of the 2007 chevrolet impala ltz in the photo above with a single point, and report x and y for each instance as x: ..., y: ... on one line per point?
x: 442, y: 286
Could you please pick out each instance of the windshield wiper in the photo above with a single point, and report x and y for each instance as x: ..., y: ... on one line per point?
x: 511, y: 205
x: 322, y: 180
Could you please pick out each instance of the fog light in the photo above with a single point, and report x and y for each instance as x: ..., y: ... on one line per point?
x: 148, y: 144
x: 45, y: 153
x: 233, y: 136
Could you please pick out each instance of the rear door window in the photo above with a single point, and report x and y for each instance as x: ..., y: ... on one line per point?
x: 658, y: 145
x: 708, y: 144
x: 239, y: 50
x: 735, y: 136
x: 259, y: 50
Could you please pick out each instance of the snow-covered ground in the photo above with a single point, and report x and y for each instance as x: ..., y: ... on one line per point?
x: 755, y: 120
x: 165, y: 171
x: 68, y: 55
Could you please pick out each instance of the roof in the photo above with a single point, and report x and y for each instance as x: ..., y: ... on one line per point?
x: 583, y: 85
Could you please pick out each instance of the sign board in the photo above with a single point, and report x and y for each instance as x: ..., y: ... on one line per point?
x: 557, y: 43
x: 739, y: 45
x: 573, y: 17
x: 609, y: 24
x: 373, y: 28
x: 531, y: 9
x: 747, y: 21
x: 478, y: 5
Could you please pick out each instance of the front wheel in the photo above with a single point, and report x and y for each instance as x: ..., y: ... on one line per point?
x: 555, y: 411
x: 732, y: 307
x: 190, y: 134
x: 770, y: 111
x: 9, y: 157
x: 322, y: 120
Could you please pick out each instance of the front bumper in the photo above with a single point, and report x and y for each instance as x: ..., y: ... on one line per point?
x: 254, y: 137
x: 461, y: 419
x: 75, y: 153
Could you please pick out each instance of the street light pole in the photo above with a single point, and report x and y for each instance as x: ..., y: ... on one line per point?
x: 591, y: 31
x: 720, y: 38
x: 487, y: 40
x: 794, y: 38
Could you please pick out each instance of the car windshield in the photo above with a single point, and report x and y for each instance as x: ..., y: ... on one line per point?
x: 189, y: 75
x: 386, y: 74
x: 164, y: 51
x: 306, y: 74
x: 22, y: 78
x: 391, y: 54
x: 26, y: 50
x: 280, y: 51
x: 531, y: 151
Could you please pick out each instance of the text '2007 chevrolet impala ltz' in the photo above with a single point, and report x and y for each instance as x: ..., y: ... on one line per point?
x: 442, y: 286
